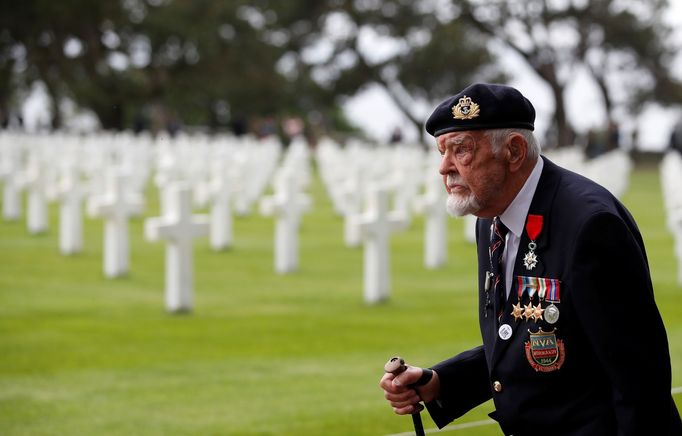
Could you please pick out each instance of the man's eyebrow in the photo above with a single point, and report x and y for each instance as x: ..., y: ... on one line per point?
x: 455, y: 140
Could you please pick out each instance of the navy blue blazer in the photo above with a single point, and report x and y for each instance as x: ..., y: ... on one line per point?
x: 603, y: 367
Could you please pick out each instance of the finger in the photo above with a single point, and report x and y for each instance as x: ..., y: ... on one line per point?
x: 386, y: 380
x: 407, y: 402
x: 409, y: 409
x: 408, y: 377
x: 387, y: 385
x: 402, y: 395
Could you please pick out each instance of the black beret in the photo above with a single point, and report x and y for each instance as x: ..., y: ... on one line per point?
x: 482, y: 106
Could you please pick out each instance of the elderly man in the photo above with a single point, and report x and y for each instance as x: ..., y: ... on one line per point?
x: 573, y: 343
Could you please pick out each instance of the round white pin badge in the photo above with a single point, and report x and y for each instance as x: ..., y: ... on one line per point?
x: 505, y: 332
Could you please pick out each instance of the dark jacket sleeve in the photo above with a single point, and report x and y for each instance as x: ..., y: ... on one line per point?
x: 613, y: 299
x: 463, y: 386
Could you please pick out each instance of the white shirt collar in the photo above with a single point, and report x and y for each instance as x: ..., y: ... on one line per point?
x: 514, y: 217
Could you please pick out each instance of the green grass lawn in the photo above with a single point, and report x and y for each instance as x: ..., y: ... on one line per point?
x: 262, y: 354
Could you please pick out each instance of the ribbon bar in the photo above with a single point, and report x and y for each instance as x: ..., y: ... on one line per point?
x: 547, y: 289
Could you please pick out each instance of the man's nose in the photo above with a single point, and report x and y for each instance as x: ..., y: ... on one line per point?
x: 446, y: 165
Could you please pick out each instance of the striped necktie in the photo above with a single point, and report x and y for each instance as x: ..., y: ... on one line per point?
x: 497, y: 240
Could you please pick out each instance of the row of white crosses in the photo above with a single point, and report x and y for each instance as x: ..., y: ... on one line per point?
x: 361, y: 178
x: 224, y: 164
x: 287, y: 205
x: 611, y: 170
x: 671, y: 185
x: 112, y: 171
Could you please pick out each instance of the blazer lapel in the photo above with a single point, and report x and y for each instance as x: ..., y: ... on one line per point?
x: 540, y: 205
x: 486, y: 315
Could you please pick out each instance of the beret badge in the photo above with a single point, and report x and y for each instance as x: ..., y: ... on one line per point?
x: 465, y: 109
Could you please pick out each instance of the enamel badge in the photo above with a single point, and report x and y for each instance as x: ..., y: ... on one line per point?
x: 530, y: 259
x: 533, y: 228
x: 465, y: 109
x: 545, y: 353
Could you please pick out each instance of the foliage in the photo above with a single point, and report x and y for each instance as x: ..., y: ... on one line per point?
x: 200, y: 61
x: 403, y: 47
x: 217, y: 64
x: 623, y: 44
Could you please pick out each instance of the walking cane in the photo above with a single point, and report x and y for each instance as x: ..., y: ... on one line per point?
x: 395, y: 366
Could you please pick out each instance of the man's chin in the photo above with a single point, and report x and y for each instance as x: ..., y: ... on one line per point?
x: 458, y: 206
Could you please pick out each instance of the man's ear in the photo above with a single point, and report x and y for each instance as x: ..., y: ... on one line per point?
x: 517, y: 148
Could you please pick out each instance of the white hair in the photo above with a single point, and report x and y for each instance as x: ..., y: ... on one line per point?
x: 498, y: 136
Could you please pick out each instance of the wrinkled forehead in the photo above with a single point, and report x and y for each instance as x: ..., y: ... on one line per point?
x: 460, y: 138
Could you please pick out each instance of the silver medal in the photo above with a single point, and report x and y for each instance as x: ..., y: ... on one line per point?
x: 530, y: 259
x: 551, y: 314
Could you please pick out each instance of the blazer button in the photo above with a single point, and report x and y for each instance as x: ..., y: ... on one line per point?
x: 497, y: 386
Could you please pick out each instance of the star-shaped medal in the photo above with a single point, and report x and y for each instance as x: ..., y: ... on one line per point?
x: 528, y: 311
x: 530, y: 260
x: 517, y: 313
x: 537, y: 313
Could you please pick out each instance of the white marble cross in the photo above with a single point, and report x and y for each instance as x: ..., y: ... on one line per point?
x: 116, y: 206
x: 433, y: 205
x: 11, y: 192
x: 219, y: 194
x: 287, y: 205
x: 376, y: 225
x: 178, y: 227
x: 36, y: 209
x: 353, y: 195
x: 70, y: 194
x: 671, y: 185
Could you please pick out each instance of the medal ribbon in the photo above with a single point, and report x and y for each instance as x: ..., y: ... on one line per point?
x: 532, y: 284
x: 534, y: 226
x: 554, y: 291
x: 544, y: 287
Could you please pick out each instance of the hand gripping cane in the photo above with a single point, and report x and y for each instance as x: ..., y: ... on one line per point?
x: 395, y: 366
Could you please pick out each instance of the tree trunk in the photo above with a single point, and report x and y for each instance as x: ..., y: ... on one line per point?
x: 565, y: 134
x: 56, y: 114
x: 111, y: 115
x: 404, y: 108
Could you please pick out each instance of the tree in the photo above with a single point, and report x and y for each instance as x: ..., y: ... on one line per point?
x: 60, y: 44
x: 606, y: 36
x: 402, y: 46
x: 194, y: 59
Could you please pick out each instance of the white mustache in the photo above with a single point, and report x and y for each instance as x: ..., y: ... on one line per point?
x: 453, y: 180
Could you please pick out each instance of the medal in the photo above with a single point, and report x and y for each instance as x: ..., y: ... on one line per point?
x: 537, y: 313
x: 553, y: 295
x: 530, y: 259
x: 552, y: 314
x: 517, y: 312
x: 528, y: 311
x: 533, y: 228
